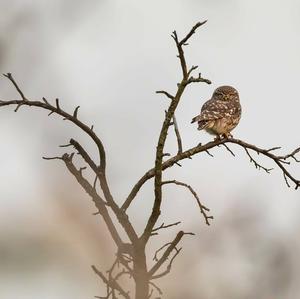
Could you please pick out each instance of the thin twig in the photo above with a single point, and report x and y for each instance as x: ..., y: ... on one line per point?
x: 113, y: 284
x: 273, y: 148
x: 166, y: 94
x: 10, y: 77
x: 228, y: 149
x: 192, y: 31
x: 166, y: 254
x: 178, y: 137
x: 56, y: 109
x: 291, y: 155
x: 155, y: 257
x: 99, y: 202
x: 203, y: 209
x: 256, y: 164
x: 286, y: 180
x: 194, y: 67
x: 199, y: 79
x: 52, y: 158
x: 57, y: 103
x: 163, y: 226
x: 66, y: 145
x: 95, y: 181
x: 76, y: 111
x: 168, y: 269
x: 207, y: 151
x: 160, y: 292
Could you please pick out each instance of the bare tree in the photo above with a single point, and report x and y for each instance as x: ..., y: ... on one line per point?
x: 131, y: 259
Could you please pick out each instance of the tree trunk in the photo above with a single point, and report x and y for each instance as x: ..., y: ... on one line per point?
x: 141, y: 274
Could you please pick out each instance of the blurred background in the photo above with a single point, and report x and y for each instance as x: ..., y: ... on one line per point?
x: 109, y: 57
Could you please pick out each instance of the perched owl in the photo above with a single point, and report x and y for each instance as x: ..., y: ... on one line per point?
x: 221, y: 114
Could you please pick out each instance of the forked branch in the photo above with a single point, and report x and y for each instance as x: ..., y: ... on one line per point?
x: 170, y: 247
x: 99, y: 170
x: 164, y: 131
x: 281, y: 161
x: 113, y: 284
x: 57, y: 109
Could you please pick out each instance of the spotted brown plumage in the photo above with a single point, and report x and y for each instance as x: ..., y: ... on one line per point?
x: 221, y: 114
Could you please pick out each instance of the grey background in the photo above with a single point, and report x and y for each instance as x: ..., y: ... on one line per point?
x: 109, y: 57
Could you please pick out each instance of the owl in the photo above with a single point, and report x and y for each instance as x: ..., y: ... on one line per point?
x: 221, y: 114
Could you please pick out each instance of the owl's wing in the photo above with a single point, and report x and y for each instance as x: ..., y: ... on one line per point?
x: 214, y: 109
x: 211, y: 110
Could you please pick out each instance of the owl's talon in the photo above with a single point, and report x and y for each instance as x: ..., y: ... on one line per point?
x: 227, y: 135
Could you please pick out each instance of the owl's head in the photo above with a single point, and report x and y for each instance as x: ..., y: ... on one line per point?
x: 226, y: 93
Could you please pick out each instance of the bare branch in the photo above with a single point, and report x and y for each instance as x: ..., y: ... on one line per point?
x: 76, y: 111
x: 168, y: 269
x: 95, y: 182
x: 113, y: 284
x: 57, y: 103
x: 121, y: 215
x: 286, y: 180
x: 207, y: 151
x: 84, y: 155
x: 52, y: 109
x: 203, y: 209
x: 151, y: 293
x: 163, y: 226
x: 166, y: 94
x: 157, y: 289
x: 192, y: 31
x: 99, y: 202
x: 171, y: 246
x: 114, y: 278
x: 66, y: 145
x: 164, y: 131
x: 155, y: 258
x: 228, y: 149
x: 18, y: 106
x: 10, y: 77
x: 121, y: 273
x: 182, y: 43
x: 178, y: 137
x: 45, y: 101
x: 52, y: 158
x: 257, y: 165
x: 81, y: 169
x: 291, y: 155
x: 274, y: 148
x: 199, y: 79
x: 178, y: 164
x: 194, y: 67
x: 205, y: 148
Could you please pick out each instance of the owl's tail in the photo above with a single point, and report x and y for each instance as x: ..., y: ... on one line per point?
x: 196, y: 118
x: 201, y: 123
